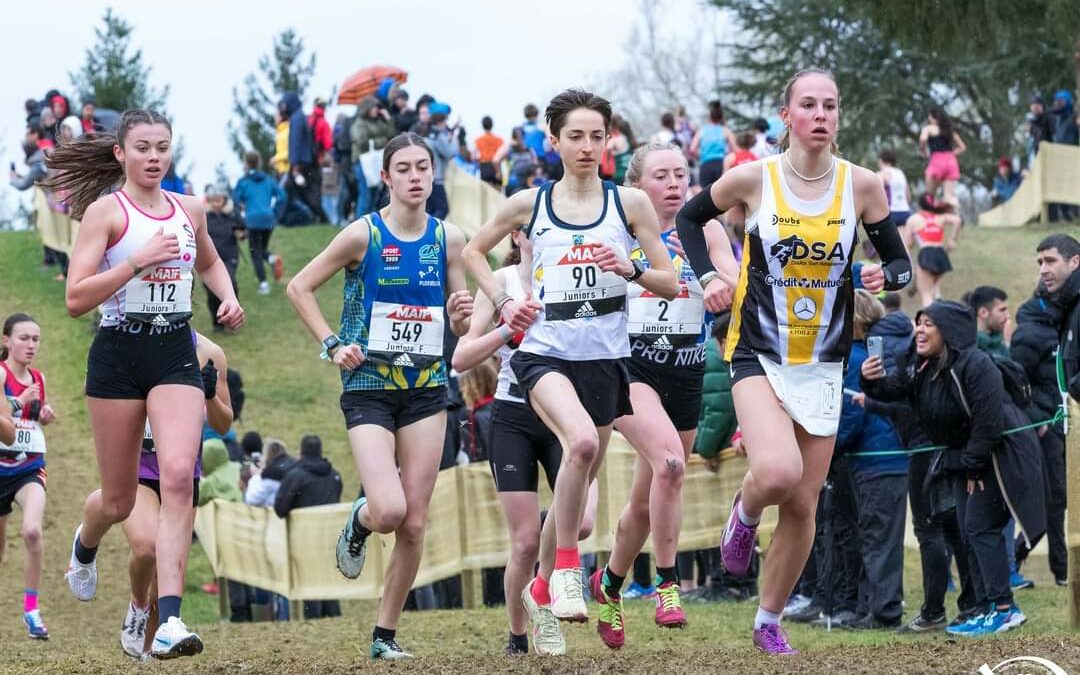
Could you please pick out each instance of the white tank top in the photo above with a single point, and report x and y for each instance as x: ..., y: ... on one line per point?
x: 160, y: 295
x: 898, y: 191
x: 584, y: 314
x: 508, y: 389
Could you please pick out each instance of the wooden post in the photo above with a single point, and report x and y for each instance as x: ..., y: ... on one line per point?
x: 1072, y: 525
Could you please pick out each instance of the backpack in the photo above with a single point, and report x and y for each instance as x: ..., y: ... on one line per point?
x: 236, y: 392
x: 1015, y: 380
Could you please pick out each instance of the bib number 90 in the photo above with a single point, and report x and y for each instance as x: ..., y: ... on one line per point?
x: 584, y: 275
x: 405, y: 331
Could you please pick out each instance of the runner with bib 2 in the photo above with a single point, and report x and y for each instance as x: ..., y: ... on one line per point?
x: 667, y: 364
x: 403, y: 269
x: 135, y: 255
x: 571, y: 363
x: 22, y: 461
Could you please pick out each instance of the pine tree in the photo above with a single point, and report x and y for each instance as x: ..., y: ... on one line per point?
x: 288, y: 68
x: 113, y: 73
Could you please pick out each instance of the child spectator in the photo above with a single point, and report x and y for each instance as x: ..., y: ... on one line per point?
x: 224, y: 229
x: 262, y: 201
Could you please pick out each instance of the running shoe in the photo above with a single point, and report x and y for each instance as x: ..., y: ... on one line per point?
x: 264, y: 288
x: 806, y: 614
x: 514, y: 650
x: 797, y: 603
x: 998, y: 621
x: 772, y: 639
x: 871, y: 622
x: 1061, y: 581
x: 173, y: 639
x: 669, y: 610
x: 737, y: 546
x: 133, y: 634
x: 1019, y: 582
x: 922, y: 624
x: 638, y: 592
x: 279, y: 266
x: 35, y: 627
x: 352, y: 546
x: 546, y: 633
x: 82, y: 579
x: 567, y: 600
x: 841, y: 619
x: 610, y: 623
x: 973, y: 622
x: 388, y: 649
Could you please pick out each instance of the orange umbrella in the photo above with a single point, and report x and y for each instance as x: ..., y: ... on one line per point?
x: 366, y: 82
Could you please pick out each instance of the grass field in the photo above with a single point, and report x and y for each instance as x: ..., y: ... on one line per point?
x: 291, y: 393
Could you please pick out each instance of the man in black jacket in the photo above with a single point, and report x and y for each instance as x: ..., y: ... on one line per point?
x: 1058, y: 258
x: 312, y: 481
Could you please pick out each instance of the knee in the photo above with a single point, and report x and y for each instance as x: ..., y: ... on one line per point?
x: 670, y: 475
x: 144, y: 553
x: 31, y: 535
x: 583, y: 447
x: 778, y: 485
x: 586, y: 527
x: 387, y: 518
x: 801, y: 505
x: 116, y: 508
x: 526, y: 548
x: 411, y: 531
x: 638, y: 511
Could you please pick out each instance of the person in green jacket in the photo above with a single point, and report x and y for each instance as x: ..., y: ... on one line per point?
x: 717, y: 423
x: 221, y: 477
x: 991, y: 308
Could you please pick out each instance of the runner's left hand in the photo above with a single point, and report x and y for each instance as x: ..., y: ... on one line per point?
x: 674, y: 245
x: 718, y: 295
x: 48, y: 415
x: 209, y: 380
x: 459, y: 305
x: 873, y: 278
x: 231, y: 314
x: 608, y: 260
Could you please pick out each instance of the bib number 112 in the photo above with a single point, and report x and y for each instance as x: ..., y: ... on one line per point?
x: 162, y: 292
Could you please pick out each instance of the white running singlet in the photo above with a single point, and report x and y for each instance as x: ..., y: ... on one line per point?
x: 898, y: 201
x: 507, y: 388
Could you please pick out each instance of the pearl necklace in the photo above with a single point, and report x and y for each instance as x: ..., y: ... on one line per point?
x: 832, y: 165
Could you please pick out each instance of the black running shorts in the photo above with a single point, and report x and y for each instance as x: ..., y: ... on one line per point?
x: 126, y: 365
x: 679, y: 389
x: 934, y: 259
x: 744, y: 364
x: 10, y: 485
x: 392, y: 409
x: 155, y: 485
x: 520, y: 444
x: 602, y: 385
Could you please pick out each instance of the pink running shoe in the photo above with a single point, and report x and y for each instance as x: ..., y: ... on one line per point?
x: 772, y: 639
x: 738, y: 543
x: 669, y: 611
x: 610, y: 623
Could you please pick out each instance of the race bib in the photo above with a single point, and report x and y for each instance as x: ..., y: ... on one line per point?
x: 574, y: 287
x: 678, y: 321
x: 160, y: 296
x: 29, y: 439
x: 405, y: 335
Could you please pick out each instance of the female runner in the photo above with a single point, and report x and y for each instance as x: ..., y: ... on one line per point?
x: 22, y: 462
x: 791, y: 324
x: 927, y: 227
x: 667, y: 364
x: 401, y: 266
x: 571, y: 362
x: 941, y: 145
x: 134, y: 257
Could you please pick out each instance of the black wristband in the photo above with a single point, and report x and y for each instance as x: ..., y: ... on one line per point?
x: 690, y: 224
x: 895, y: 264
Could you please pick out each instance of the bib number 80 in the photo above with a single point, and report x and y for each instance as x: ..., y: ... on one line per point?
x: 162, y: 292
x: 23, y: 437
x: 406, y: 331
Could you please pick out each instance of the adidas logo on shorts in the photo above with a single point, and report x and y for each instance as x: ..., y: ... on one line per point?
x: 404, y: 361
x: 585, y: 311
x: 663, y: 343
x: 159, y: 320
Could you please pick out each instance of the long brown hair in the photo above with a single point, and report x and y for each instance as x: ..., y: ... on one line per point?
x: 479, y: 382
x: 9, y: 325
x: 785, y: 137
x: 85, y: 167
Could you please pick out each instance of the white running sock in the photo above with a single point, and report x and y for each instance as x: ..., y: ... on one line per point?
x: 745, y: 519
x: 764, y: 616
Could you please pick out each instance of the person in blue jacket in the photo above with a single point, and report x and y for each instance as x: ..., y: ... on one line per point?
x: 262, y: 202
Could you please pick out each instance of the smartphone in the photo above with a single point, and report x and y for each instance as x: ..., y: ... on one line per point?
x: 875, y: 346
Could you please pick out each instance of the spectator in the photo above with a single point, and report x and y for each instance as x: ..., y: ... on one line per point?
x: 46, y: 129
x: 372, y: 128
x: 70, y: 128
x: 321, y: 134
x: 621, y: 146
x: 262, y: 201
x: 221, y: 477
x: 764, y: 144
x: 440, y: 139
x: 251, y: 445
x: 279, y: 163
x: 173, y: 182
x: 711, y: 143
x: 1040, y: 127
x: 684, y: 129
x: 33, y: 112
x: 1064, y: 119
x: 89, y: 121
x: 342, y: 156
x: 744, y: 154
x: 487, y: 147
x: 311, y: 481
x: 667, y: 130
x: 992, y: 319
x: 304, y: 175
x: 880, y: 482
x: 520, y: 162
x: 1005, y: 182
x: 224, y: 229
x: 1034, y: 346
x: 265, y: 480
x: 35, y: 160
x: 423, y: 115
x: 403, y: 116
x: 533, y: 133
x: 478, y: 391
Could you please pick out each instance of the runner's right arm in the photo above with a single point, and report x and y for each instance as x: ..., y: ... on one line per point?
x: 482, y: 341
x: 347, y: 249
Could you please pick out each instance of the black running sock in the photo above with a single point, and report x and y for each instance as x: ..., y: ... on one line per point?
x: 520, y: 642
x: 359, y: 528
x: 381, y: 633
x: 666, y: 575
x: 612, y: 582
x: 84, y: 554
x: 168, y: 606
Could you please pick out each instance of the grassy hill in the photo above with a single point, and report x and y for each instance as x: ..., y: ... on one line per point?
x: 290, y: 392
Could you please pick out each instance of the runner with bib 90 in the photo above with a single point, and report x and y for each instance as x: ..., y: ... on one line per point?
x: 401, y: 266
x: 134, y: 257
x: 571, y: 362
x: 791, y: 324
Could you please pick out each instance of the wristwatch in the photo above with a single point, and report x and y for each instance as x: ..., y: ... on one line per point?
x: 639, y: 269
x: 329, y: 344
x: 707, y: 277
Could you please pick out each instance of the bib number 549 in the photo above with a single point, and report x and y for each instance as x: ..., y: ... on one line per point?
x: 406, y: 331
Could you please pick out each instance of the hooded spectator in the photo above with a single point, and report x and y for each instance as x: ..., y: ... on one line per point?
x: 404, y: 117
x: 221, y: 477
x: 1064, y: 115
x: 311, y: 481
x: 371, y: 129
x: 305, y: 179
x: 322, y: 135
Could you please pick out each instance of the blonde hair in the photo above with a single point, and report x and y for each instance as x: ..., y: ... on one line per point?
x: 868, y: 310
x: 272, y: 449
x: 479, y: 382
x: 636, y: 169
x: 785, y: 137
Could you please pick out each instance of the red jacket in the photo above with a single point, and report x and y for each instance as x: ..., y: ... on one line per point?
x: 324, y: 136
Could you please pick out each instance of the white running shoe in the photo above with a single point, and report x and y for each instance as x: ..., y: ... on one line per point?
x: 82, y: 579
x: 173, y: 639
x: 133, y: 634
x: 546, y: 634
x: 264, y: 288
x: 567, y: 600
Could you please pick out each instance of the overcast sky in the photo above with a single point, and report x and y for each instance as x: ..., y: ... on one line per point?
x: 480, y: 56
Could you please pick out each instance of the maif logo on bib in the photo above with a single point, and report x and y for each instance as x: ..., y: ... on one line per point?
x: 163, y: 275
x: 410, y: 313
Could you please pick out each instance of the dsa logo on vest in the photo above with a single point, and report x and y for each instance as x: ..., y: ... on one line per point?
x: 162, y: 275
x: 410, y: 313
x: 795, y: 248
